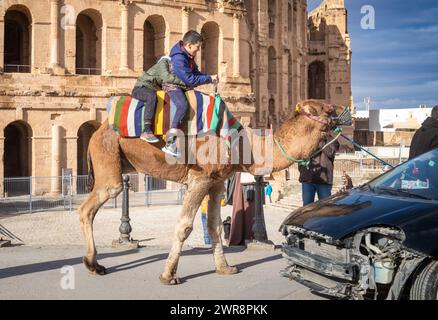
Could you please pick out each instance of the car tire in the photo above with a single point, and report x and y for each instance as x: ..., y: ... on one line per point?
x: 425, y: 283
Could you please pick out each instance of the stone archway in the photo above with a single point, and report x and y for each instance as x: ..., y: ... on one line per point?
x: 17, y: 157
x: 154, y: 37
x: 316, y: 78
x: 89, y: 43
x: 85, y: 132
x: 17, y: 40
x: 17, y: 150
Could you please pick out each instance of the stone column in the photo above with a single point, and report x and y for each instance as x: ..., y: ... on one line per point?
x: 54, y: 32
x: 2, y: 43
x: 72, y: 157
x: 185, y: 22
x: 56, y: 159
x: 236, y: 45
x: 2, y: 172
x: 124, y: 18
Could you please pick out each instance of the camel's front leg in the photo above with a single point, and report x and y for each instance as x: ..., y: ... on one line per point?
x: 192, y: 201
x: 215, y: 230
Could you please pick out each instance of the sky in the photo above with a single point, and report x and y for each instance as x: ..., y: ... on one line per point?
x: 395, y: 64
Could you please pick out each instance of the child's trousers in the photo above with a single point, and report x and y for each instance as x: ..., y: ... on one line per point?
x: 178, y: 97
x: 149, y: 97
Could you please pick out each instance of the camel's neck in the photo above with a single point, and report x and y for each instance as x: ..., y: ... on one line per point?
x: 299, y: 137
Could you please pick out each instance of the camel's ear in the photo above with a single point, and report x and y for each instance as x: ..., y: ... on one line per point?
x: 298, y: 109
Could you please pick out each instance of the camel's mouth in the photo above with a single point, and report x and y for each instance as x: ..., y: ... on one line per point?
x: 344, y: 119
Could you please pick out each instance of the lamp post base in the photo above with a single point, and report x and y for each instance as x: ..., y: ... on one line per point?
x: 5, y: 243
x: 125, y: 245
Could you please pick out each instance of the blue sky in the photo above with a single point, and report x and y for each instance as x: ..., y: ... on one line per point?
x: 397, y: 63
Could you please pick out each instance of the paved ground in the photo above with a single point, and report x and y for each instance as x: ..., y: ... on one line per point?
x: 52, y: 240
x: 36, y: 273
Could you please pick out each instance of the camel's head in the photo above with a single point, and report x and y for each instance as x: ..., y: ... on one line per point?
x: 328, y: 115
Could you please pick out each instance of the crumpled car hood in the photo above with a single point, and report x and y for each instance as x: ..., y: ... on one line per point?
x: 345, y: 213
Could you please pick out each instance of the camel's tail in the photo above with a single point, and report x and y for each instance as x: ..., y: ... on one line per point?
x: 90, y: 184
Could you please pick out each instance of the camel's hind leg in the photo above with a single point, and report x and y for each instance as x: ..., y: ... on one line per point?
x: 106, y: 165
x: 215, y: 229
x: 197, y: 190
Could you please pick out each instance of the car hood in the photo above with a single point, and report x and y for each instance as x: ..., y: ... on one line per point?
x: 345, y: 213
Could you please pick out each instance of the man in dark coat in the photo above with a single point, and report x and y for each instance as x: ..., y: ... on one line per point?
x: 317, y: 178
x: 426, y: 138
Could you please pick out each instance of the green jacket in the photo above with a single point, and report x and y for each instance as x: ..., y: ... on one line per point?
x: 158, y: 74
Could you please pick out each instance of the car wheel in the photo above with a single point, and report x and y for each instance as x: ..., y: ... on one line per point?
x: 425, y: 283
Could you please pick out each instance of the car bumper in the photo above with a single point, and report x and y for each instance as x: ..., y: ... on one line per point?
x: 319, y: 273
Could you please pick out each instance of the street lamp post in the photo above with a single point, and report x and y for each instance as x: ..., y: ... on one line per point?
x: 259, y: 227
x: 125, y: 240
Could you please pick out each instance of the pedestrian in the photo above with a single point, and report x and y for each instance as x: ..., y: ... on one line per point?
x: 269, y: 191
x: 227, y: 227
x: 204, y: 219
x: 425, y: 138
x: 317, y: 177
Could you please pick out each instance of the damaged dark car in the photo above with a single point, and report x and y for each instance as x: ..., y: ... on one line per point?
x: 377, y: 241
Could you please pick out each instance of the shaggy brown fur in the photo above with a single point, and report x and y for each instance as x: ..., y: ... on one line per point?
x: 111, y: 156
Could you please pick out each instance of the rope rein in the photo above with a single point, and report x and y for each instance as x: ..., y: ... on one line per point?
x: 306, y: 162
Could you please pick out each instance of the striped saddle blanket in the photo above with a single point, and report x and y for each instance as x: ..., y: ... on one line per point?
x: 206, y: 113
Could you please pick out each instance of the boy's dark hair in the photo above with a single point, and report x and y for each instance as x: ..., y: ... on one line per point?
x: 192, y: 37
x: 435, y: 112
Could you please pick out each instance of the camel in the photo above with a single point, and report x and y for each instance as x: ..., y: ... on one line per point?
x: 110, y: 156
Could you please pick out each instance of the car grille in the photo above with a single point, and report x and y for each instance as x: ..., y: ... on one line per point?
x: 322, y: 249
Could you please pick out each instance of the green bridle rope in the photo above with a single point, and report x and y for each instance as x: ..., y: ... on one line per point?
x: 306, y: 162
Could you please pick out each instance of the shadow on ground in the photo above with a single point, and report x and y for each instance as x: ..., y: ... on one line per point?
x: 58, y: 264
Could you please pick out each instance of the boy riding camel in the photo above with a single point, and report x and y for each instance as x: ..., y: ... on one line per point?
x: 175, y: 74
x: 145, y: 90
x: 183, y: 65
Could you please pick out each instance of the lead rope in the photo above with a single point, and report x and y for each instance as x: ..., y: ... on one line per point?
x: 306, y: 162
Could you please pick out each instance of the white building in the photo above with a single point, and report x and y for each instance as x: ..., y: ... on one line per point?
x: 391, y: 120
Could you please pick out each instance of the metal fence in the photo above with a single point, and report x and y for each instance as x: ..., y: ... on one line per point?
x: 355, y: 168
x: 32, y: 194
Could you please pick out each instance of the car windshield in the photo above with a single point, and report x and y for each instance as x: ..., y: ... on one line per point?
x: 417, y: 178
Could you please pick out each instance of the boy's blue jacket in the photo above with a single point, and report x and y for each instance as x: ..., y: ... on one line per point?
x: 185, y: 67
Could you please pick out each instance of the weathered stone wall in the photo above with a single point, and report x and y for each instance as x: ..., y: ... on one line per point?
x: 53, y: 95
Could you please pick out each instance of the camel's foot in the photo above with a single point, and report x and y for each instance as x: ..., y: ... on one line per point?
x: 94, y: 267
x: 228, y: 270
x: 170, y: 281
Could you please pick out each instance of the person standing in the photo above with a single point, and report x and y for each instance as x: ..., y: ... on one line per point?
x: 425, y: 138
x: 204, y: 213
x: 269, y: 191
x: 317, y: 177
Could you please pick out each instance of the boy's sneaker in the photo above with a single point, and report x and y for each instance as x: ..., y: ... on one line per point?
x: 170, y: 148
x: 149, y: 137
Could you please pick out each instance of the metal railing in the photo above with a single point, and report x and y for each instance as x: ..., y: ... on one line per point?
x: 88, y: 71
x: 17, y: 68
x: 355, y: 168
x: 32, y: 194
